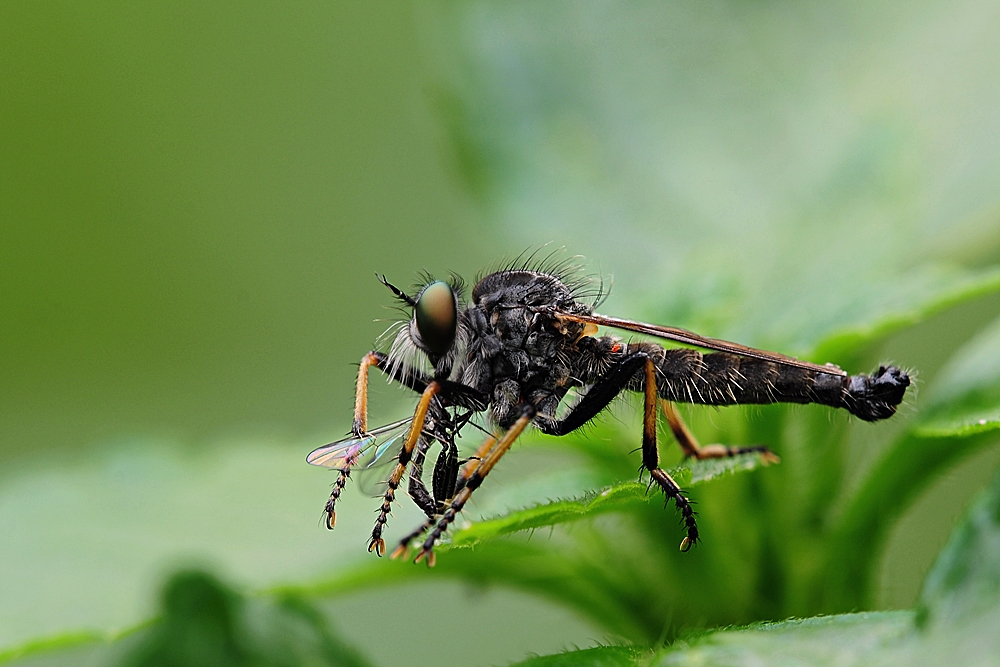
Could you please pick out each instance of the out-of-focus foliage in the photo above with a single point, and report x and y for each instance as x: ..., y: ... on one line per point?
x: 956, y: 623
x: 815, y: 179
x: 193, y: 200
x: 203, y: 623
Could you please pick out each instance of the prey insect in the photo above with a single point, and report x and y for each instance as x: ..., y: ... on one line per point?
x: 355, y: 451
x: 524, y: 339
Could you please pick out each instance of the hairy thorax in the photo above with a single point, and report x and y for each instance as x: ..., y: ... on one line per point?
x: 517, y: 349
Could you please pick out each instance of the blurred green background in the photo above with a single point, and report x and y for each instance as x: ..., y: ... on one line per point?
x: 194, y: 198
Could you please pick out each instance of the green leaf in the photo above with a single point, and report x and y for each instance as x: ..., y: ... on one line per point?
x: 565, y: 575
x: 957, y: 622
x: 613, y: 498
x: 203, y: 622
x: 965, y: 399
x: 848, y: 639
x: 905, y: 301
x: 898, y: 478
x: 122, y: 538
x: 965, y: 580
x: 601, y: 656
x: 583, y: 568
x: 963, y: 416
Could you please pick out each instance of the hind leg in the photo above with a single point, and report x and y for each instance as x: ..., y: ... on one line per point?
x: 689, y: 445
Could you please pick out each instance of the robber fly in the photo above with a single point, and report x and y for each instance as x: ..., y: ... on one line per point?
x: 524, y: 340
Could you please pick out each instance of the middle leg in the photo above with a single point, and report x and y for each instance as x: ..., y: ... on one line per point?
x: 618, y: 378
x: 651, y: 459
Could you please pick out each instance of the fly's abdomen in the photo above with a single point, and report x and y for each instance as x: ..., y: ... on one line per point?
x: 722, y: 378
x: 873, y: 397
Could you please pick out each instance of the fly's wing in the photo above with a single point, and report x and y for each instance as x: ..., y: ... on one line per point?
x: 691, y: 338
x: 359, y: 451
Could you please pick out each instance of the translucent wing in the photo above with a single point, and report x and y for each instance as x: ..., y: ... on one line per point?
x: 386, y: 445
x: 691, y: 338
x: 364, y: 451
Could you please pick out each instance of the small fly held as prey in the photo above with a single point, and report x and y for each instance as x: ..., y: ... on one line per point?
x: 528, y: 336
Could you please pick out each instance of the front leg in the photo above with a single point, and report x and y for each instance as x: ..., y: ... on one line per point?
x: 376, y: 543
x: 359, y: 428
x: 451, y: 393
x: 410, y: 379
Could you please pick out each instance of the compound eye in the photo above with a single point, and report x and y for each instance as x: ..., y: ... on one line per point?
x: 436, y: 317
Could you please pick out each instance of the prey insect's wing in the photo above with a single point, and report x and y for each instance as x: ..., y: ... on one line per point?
x: 359, y: 451
x: 691, y: 338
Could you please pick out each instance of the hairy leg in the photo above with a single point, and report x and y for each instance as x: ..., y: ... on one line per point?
x: 376, y: 543
x: 651, y: 459
x: 415, y: 381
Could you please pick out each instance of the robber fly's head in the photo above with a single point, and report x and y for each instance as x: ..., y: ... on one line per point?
x: 434, y: 324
